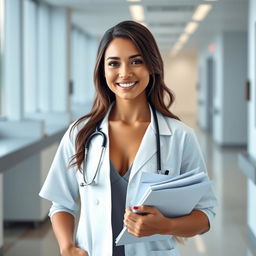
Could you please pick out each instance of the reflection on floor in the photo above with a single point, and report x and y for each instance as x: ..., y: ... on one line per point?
x: 228, y: 236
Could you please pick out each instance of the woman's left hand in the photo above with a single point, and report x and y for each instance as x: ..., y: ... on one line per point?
x: 145, y: 225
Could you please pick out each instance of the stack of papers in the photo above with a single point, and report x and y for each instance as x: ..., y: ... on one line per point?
x: 173, y: 197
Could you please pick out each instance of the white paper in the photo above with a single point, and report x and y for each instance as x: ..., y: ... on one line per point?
x: 148, y: 178
x: 173, y: 197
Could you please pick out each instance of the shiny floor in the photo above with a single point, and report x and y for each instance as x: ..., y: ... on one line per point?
x: 228, y: 236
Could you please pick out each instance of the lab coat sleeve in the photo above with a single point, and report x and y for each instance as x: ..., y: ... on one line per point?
x: 193, y: 158
x: 61, y: 186
x: 60, y: 208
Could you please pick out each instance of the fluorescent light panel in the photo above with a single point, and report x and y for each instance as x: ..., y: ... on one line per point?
x: 201, y: 12
x: 183, y: 38
x: 177, y: 46
x: 133, y: 0
x: 191, y: 27
x: 137, y: 12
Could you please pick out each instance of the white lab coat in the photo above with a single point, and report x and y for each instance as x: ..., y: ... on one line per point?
x: 180, y: 152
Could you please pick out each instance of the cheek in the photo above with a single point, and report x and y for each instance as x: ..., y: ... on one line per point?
x: 145, y: 76
x: 109, y: 77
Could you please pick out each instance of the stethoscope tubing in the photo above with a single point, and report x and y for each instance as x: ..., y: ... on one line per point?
x: 98, y: 132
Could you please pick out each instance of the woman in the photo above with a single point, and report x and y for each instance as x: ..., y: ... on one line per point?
x: 129, y: 86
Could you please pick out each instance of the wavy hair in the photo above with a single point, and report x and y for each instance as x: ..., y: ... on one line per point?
x: 158, y: 94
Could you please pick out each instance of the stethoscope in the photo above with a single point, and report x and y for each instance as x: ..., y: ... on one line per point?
x: 98, y: 132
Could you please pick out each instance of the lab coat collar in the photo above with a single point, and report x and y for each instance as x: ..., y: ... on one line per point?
x: 164, y: 129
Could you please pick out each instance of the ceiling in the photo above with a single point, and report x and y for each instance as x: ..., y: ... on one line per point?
x: 166, y: 19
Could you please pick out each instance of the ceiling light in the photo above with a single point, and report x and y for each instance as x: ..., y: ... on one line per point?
x: 191, y: 27
x: 136, y: 0
x: 201, y: 11
x: 137, y: 12
x: 176, y: 48
x: 183, y: 38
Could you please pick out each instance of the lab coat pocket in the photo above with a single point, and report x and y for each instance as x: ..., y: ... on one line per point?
x: 171, y: 252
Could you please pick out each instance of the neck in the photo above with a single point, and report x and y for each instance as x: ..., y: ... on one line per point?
x: 130, y: 111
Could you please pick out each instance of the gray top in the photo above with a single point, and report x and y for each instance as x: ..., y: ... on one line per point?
x: 118, y: 192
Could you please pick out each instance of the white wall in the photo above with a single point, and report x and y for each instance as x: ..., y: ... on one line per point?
x: 181, y: 78
x: 235, y: 74
x: 252, y: 113
x: 252, y: 78
x: 230, y: 113
x: 202, y: 89
x: 219, y: 95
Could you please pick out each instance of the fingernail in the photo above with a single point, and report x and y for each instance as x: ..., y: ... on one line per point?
x: 135, y: 207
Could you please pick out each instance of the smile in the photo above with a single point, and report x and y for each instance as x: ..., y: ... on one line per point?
x: 126, y: 85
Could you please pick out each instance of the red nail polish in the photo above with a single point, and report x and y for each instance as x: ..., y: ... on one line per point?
x: 135, y: 207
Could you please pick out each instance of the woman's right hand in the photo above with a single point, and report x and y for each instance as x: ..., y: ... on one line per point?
x: 74, y: 251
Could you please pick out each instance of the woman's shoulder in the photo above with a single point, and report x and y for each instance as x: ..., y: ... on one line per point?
x: 178, y: 126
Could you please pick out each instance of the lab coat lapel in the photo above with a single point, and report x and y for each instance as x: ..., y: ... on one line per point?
x: 146, y: 150
x: 148, y: 145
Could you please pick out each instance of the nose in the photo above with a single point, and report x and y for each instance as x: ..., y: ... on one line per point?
x: 125, y: 71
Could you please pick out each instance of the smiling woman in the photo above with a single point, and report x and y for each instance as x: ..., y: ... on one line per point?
x: 135, y: 122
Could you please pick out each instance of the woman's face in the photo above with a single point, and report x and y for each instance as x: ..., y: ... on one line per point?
x: 125, y: 70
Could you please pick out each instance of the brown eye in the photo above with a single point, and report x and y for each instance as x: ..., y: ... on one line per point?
x: 137, y: 61
x: 113, y: 64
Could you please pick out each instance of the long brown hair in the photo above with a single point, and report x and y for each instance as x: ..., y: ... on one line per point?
x: 157, y: 92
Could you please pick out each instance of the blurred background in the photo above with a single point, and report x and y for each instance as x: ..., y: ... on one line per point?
x: 47, y: 57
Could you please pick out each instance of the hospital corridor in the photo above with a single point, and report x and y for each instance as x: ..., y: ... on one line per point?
x: 48, y: 51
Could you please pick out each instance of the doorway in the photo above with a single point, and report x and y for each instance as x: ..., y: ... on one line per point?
x: 210, y: 79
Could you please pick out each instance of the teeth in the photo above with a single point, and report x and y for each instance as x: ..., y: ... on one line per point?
x: 126, y: 85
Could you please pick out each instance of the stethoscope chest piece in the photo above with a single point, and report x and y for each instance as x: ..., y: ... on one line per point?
x: 83, y: 184
x: 163, y: 172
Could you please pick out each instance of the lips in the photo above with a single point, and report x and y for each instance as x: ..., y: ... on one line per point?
x: 126, y: 85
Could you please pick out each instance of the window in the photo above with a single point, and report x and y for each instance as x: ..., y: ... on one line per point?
x: 44, y: 63
x: 78, y: 66
x: 30, y: 56
x: 84, y: 50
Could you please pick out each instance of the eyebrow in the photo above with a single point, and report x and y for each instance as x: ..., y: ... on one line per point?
x: 131, y: 57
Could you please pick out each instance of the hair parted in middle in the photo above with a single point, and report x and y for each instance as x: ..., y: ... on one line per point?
x: 158, y: 94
